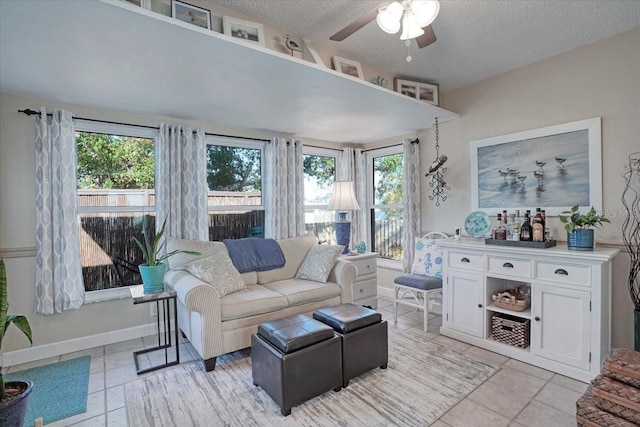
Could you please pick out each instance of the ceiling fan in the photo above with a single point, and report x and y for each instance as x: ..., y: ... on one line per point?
x: 415, y: 17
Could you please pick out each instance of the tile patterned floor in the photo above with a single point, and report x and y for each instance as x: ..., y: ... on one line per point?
x: 519, y: 395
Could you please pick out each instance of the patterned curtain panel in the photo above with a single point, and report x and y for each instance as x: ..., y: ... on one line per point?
x: 181, y: 182
x: 349, y: 169
x: 411, y: 202
x: 284, y: 189
x: 59, y: 285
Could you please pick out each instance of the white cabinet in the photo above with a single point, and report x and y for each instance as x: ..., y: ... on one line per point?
x: 365, y: 287
x: 570, y: 313
x: 464, y: 308
x: 560, y: 329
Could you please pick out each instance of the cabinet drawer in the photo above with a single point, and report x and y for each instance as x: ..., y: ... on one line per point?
x: 365, y: 266
x: 564, y: 273
x: 365, y: 288
x: 466, y: 261
x: 510, y: 266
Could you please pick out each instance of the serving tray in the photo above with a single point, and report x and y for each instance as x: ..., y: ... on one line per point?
x: 521, y: 243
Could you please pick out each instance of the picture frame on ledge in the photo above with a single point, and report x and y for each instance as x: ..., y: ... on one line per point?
x: 552, y: 168
x: 192, y: 14
x: 422, y: 91
x: 348, y: 67
x: 244, y: 30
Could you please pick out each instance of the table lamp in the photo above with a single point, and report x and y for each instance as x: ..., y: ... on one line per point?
x: 343, y: 199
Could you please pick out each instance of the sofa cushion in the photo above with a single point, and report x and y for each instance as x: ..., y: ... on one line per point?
x: 294, y: 249
x: 205, y: 248
x: 252, y: 300
x: 218, y: 271
x: 319, y: 262
x: 300, y: 292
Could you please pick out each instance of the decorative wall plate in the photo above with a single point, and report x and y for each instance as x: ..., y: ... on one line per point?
x: 477, y: 224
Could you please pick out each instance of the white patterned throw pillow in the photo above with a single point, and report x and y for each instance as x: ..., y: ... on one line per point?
x: 218, y: 271
x: 318, y: 263
x: 427, y: 258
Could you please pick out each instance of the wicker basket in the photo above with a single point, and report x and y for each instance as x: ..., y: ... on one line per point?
x: 619, y: 399
x: 623, y: 365
x: 511, y: 300
x: 589, y: 415
x: 510, y: 330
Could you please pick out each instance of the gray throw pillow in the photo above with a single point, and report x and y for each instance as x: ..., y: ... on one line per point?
x: 218, y: 271
x: 318, y: 263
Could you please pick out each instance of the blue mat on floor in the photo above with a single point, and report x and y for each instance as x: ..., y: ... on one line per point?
x: 59, y: 389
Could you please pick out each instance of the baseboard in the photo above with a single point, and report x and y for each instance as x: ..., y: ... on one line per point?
x: 77, y: 344
x: 385, y: 292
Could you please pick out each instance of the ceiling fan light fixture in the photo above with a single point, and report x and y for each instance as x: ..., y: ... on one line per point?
x: 425, y: 11
x: 410, y: 27
x: 389, y: 18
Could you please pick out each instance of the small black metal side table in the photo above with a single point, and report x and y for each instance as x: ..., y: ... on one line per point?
x: 162, y: 299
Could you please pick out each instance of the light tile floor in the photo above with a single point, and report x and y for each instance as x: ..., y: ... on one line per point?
x: 519, y: 395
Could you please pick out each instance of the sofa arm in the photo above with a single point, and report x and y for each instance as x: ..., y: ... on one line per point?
x: 200, y: 297
x: 344, y: 273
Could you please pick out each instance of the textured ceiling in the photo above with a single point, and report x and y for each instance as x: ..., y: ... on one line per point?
x: 476, y: 39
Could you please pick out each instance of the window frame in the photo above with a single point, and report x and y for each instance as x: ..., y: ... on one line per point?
x: 132, y: 131
x: 322, y: 152
x: 238, y: 143
x: 370, y: 155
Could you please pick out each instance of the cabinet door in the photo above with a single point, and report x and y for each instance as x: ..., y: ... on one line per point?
x: 560, y: 327
x: 463, y: 296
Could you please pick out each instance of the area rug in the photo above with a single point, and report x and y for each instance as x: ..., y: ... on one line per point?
x: 59, y: 389
x: 424, y: 379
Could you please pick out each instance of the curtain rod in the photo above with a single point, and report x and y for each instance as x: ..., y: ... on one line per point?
x: 415, y: 141
x: 30, y: 112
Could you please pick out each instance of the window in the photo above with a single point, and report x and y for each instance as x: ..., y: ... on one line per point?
x: 319, y: 174
x: 116, y: 181
x: 234, y: 178
x: 385, y: 186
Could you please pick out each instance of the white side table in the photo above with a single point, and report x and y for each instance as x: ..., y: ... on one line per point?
x: 365, y: 287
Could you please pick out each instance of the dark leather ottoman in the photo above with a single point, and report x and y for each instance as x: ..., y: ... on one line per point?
x: 364, y: 338
x: 294, y: 359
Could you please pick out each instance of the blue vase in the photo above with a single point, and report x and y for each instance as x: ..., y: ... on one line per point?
x: 152, y: 277
x: 580, y: 240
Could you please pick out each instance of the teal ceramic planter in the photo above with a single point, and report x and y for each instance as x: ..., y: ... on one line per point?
x: 580, y: 240
x: 152, y: 277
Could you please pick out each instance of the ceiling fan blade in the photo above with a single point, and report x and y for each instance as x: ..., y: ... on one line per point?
x: 355, y: 25
x: 427, y: 38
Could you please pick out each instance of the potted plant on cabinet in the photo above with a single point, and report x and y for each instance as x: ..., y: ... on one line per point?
x: 152, y: 271
x: 580, y: 228
x: 14, y: 395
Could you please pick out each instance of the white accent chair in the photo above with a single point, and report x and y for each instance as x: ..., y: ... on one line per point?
x: 418, y: 288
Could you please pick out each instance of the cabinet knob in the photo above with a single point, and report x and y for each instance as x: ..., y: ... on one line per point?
x: 465, y: 259
x: 479, y: 305
x: 368, y: 266
x: 537, y: 319
x: 361, y: 291
x: 561, y: 271
x: 507, y: 265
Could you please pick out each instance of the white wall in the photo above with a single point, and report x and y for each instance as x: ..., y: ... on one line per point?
x: 598, y: 80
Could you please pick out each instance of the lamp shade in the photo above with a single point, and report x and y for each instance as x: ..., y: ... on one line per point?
x: 410, y: 27
x: 425, y: 11
x: 343, y: 197
x: 389, y: 18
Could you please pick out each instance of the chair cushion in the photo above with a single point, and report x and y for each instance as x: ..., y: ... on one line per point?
x: 427, y: 258
x: 294, y: 332
x: 425, y: 283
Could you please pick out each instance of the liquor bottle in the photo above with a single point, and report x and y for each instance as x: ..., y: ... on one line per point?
x: 511, y: 228
x: 517, y: 225
x: 537, y: 228
x: 505, y: 218
x: 525, y: 230
x: 544, y: 219
x: 500, y: 233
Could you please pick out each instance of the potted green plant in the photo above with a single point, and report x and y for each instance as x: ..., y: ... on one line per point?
x: 14, y: 395
x: 580, y: 227
x: 152, y: 271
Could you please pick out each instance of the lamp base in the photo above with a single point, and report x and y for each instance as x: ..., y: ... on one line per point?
x: 343, y: 235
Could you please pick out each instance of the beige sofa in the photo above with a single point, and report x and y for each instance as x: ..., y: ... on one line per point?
x: 216, y: 326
